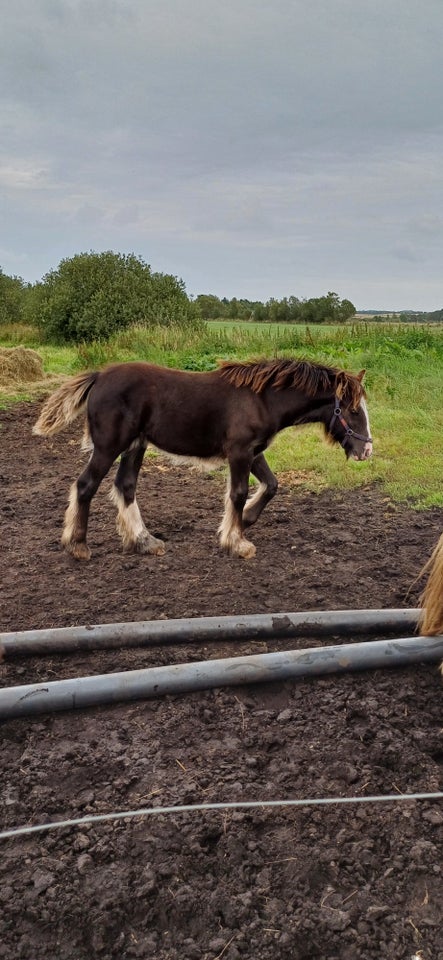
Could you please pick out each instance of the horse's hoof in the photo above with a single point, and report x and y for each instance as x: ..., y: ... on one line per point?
x: 80, y: 551
x: 245, y: 550
x: 149, y: 545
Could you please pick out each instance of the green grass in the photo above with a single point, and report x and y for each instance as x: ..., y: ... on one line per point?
x: 404, y: 380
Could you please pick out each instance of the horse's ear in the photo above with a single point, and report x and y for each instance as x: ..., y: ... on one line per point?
x: 361, y: 375
x: 339, y: 385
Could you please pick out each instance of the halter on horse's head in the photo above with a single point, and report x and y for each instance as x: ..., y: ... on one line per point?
x: 352, y: 430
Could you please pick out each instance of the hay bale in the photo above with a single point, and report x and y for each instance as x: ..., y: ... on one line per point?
x: 20, y: 365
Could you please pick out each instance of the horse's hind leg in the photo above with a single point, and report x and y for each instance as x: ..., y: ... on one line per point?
x: 231, y: 527
x: 266, y: 490
x: 77, y: 513
x: 130, y: 525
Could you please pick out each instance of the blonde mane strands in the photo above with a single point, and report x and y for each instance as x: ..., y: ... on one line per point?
x: 311, y: 378
x: 349, y: 388
x: 432, y: 597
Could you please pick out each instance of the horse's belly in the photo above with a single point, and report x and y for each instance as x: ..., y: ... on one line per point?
x: 202, y: 464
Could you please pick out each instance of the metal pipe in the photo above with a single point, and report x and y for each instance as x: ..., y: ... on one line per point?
x: 266, y: 626
x: 188, y: 677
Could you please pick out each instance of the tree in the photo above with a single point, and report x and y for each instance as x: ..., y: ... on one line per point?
x: 328, y: 309
x: 12, y: 298
x: 92, y: 295
x: 294, y: 309
x: 233, y: 309
x: 210, y: 306
x: 260, y: 313
x: 347, y: 310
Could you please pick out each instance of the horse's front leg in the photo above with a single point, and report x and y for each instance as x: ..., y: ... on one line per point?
x: 267, y: 488
x: 231, y: 527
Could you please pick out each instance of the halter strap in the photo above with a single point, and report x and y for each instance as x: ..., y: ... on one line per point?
x: 337, y: 415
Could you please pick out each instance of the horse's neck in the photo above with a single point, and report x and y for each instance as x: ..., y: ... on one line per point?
x: 292, y: 407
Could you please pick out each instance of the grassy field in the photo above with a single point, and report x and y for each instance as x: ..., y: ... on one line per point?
x: 404, y: 380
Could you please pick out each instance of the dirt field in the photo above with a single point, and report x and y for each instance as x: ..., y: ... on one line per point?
x: 342, y: 883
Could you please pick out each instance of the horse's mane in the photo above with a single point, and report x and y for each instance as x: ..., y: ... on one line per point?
x: 279, y: 374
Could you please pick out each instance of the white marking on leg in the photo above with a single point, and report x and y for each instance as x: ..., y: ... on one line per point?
x: 131, y: 528
x: 129, y: 521
x: 231, y: 534
x: 78, y: 548
x: 228, y: 528
x: 71, y: 515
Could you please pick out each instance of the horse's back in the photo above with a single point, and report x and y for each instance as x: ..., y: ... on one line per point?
x: 141, y: 383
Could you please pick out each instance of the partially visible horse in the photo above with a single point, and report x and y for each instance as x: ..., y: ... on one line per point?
x: 431, y: 621
x: 230, y: 414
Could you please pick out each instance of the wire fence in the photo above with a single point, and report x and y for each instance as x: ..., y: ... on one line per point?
x: 203, y: 807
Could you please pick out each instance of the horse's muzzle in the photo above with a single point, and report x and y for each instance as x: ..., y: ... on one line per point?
x: 365, y: 454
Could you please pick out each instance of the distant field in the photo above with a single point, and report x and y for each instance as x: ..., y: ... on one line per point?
x: 404, y: 380
x: 267, y: 329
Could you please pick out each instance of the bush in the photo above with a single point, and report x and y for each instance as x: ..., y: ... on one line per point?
x: 93, y: 295
x: 12, y: 298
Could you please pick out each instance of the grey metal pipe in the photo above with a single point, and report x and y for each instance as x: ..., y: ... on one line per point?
x: 188, y: 677
x: 204, y: 629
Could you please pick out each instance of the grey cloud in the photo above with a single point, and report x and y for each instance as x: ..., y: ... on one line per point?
x: 307, y: 133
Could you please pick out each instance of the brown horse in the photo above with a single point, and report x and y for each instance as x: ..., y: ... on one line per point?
x: 230, y: 414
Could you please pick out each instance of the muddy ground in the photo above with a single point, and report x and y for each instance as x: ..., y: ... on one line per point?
x: 338, y: 882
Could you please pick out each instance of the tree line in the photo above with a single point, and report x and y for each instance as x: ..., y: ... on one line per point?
x: 90, y: 296
x: 326, y: 309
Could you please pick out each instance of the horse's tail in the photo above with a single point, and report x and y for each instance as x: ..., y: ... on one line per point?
x: 65, y: 405
x: 431, y: 621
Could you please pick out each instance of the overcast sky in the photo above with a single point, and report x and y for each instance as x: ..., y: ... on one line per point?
x: 255, y: 149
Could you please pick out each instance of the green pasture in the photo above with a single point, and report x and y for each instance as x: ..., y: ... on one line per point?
x: 404, y: 381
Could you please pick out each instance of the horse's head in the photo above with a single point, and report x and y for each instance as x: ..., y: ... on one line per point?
x: 349, y: 422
